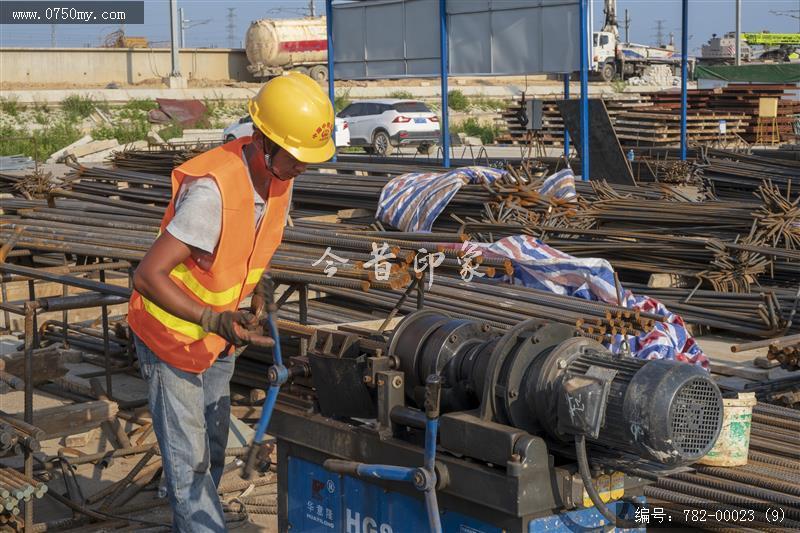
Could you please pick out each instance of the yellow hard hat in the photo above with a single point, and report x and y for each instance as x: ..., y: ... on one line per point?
x: 295, y: 113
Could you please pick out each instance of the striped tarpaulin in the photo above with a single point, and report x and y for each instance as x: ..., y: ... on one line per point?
x: 413, y: 201
x: 543, y: 267
x: 559, y: 185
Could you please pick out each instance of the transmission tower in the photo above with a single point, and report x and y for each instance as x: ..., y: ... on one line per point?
x: 231, y: 27
x: 660, y: 32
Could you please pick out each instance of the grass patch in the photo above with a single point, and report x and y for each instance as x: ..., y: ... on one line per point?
x: 457, y: 101
x: 341, y: 100
x: 471, y: 127
x: 485, y: 103
x: 124, y: 132
x: 41, y: 107
x: 140, y: 104
x: 41, y: 117
x: 79, y: 106
x: 11, y: 106
x: 171, y: 131
x: 39, y: 144
x: 350, y: 150
x: 401, y: 95
x: 618, y: 86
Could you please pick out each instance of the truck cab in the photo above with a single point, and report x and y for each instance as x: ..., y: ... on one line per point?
x: 604, y: 54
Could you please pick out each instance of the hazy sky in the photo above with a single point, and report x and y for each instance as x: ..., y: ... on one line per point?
x: 706, y: 17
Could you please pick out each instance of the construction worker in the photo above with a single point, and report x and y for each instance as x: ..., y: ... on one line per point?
x: 226, y: 218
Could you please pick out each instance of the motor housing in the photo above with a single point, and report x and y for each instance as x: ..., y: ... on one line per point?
x: 544, y: 379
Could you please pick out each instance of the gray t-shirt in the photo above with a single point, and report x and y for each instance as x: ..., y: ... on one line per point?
x: 198, y: 212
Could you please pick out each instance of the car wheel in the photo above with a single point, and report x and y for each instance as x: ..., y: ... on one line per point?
x: 230, y: 138
x: 301, y: 70
x: 381, y: 143
x: 425, y: 148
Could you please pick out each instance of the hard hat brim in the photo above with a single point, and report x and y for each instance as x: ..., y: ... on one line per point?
x: 310, y: 155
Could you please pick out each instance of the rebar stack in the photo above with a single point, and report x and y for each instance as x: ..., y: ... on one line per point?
x: 770, y: 479
x: 16, y: 488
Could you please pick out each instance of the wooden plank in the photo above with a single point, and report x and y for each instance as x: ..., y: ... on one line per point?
x: 73, y: 418
x: 47, y: 364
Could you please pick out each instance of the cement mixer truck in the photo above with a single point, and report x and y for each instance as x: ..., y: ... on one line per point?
x: 274, y: 46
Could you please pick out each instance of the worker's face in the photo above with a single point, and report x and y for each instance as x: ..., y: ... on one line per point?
x: 285, y: 166
x: 279, y: 162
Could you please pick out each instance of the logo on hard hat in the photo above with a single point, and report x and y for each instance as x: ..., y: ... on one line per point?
x: 323, y: 131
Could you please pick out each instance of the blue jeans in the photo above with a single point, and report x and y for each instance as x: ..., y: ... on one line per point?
x: 191, y: 415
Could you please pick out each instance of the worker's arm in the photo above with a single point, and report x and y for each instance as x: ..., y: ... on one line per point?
x: 152, y: 280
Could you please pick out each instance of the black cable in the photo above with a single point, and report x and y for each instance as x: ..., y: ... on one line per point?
x: 586, y: 477
x: 100, y: 515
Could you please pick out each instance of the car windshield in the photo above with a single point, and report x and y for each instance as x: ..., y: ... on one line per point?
x: 411, y: 107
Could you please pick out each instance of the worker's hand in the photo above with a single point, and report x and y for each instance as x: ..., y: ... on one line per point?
x: 230, y: 325
x: 263, y: 298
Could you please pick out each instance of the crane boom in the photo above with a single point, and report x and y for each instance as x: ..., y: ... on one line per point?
x: 610, y: 11
x: 772, y: 39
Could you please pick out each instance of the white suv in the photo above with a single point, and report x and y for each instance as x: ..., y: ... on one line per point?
x: 377, y: 125
x: 244, y: 128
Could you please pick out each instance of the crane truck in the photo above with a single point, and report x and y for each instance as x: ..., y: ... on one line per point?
x: 612, y: 58
x: 771, y: 47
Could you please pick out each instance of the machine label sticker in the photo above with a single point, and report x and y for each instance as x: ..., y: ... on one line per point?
x: 315, y: 500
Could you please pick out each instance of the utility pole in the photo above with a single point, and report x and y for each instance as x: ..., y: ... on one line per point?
x: 231, y: 27
x: 175, y: 78
x: 183, y: 27
x: 188, y: 23
x: 738, y: 32
x: 52, y: 35
x: 311, y: 7
x: 627, y: 26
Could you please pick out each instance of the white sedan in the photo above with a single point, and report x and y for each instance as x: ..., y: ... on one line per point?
x: 244, y: 128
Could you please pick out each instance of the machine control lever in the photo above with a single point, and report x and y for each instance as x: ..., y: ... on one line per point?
x: 277, y: 375
x: 422, y: 478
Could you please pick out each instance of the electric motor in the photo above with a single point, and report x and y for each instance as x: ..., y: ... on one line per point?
x: 541, y: 378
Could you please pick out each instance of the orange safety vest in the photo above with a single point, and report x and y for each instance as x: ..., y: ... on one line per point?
x: 240, y: 258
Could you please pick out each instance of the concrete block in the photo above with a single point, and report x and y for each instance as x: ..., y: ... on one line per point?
x: 211, y: 135
x: 99, y: 157
x: 57, y: 156
x: 176, y: 82
x: 92, y: 147
x: 154, y: 138
x: 136, y: 145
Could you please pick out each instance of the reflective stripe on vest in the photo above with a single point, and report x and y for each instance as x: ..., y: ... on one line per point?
x: 213, y: 298
x: 184, y: 327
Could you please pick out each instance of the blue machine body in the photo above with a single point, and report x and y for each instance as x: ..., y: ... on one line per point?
x: 323, y: 502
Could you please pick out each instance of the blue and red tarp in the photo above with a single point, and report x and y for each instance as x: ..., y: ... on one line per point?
x: 413, y: 201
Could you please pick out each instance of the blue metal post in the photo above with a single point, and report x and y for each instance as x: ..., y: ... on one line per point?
x: 445, y: 126
x: 684, y: 72
x: 584, y: 64
x: 566, y: 132
x: 329, y: 26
